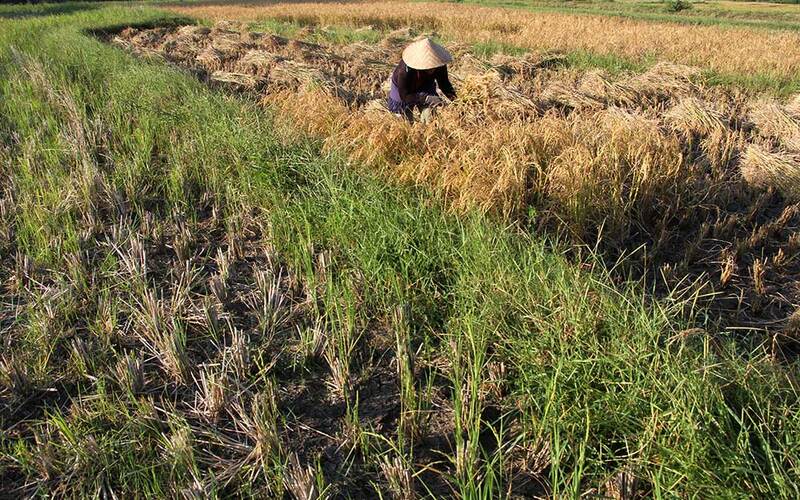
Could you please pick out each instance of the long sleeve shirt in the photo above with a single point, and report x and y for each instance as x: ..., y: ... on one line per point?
x: 410, y: 87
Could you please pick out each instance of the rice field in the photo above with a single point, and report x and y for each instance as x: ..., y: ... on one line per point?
x: 612, y: 161
x: 226, y: 270
x: 725, y: 50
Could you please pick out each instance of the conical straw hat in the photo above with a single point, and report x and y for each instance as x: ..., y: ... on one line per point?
x: 425, y: 54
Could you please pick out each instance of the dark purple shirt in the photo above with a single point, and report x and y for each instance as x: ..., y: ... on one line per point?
x: 410, y: 87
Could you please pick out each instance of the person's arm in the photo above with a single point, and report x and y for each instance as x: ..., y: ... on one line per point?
x: 401, y: 80
x: 443, y: 81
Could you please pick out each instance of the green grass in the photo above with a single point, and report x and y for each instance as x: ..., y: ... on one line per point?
x: 329, y: 35
x: 538, y: 356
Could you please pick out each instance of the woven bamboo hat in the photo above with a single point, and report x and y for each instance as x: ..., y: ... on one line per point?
x: 425, y: 54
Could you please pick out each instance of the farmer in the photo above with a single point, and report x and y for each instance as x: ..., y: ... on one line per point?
x: 414, y: 80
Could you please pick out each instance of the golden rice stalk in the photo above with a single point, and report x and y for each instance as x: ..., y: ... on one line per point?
x: 245, y: 80
x: 301, y: 481
x: 487, y: 93
x: 692, y: 116
x: 329, y: 115
x: 721, y: 147
x: 764, y: 169
x: 210, y: 58
x: 374, y: 140
x: 192, y: 31
x: 793, y: 106
x: 399, y: 477
x: 664, y: 81
x: 257, y: 62
x: 774, y: 121
x: 563, y: 93
x: 596, y: 85
x: 612, y: 163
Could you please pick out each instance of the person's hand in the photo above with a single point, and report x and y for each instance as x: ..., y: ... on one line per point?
x: 433, y: 100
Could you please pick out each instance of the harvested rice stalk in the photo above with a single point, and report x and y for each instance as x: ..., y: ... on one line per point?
x: 559, y: 93
x: 780, y: 170
x: 793, y: 106
x: 257, y: 62
x: 191, y: 31
x: 210, y: 58
x: 692, y: 116
x: 296, y: 76
x: 774, y: 121
x: 596, y: 85
x: 664, y: 81
x: 241, y: 79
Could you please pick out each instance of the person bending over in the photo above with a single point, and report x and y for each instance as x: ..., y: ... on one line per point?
x: 415, y: 78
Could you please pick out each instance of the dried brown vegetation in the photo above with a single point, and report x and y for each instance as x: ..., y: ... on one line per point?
x: 700, y: 176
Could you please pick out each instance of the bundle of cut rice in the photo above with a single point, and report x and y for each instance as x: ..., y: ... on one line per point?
x: 469, y: 65
x: 128, y: 33
x: 210, y: 58
x: 367, y: 53
x: 525, y: 66
x: 565, y: 94
x: 251, y: 37
x: 239, y: 79
x: 774, y: 121
x: 149, y: 38
x: 292, y: 75
x: 793, y: 106
x: 376, y: 106
x: 257, y: 62
x: 781, y: 170
x: 309, y: 52
x: 273, y: 43
x: 122, y: 43
x: 229, y: 46
x: 227, y: 26
x: 692, y: 116
x: 597, y: 85
x: 664, y: 81
x: 192, y: 32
